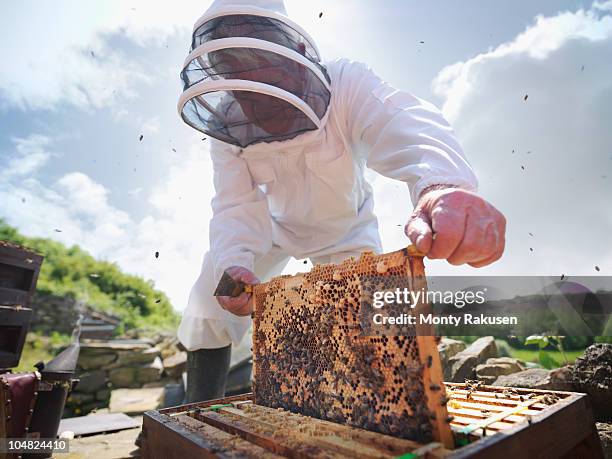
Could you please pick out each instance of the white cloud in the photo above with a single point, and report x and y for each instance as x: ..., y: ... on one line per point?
x: 459, y: 81
x: 546, y: 161
x: 602, y: 6
x: 150, y: 126
x: 175, y: 225
x: 38, y: 82
x: 69, y: 59
x: 30, y: 155
x: 88, y: 198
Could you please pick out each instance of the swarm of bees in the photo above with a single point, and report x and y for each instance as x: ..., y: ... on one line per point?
x: 471, y: 386
x: 549, y: 399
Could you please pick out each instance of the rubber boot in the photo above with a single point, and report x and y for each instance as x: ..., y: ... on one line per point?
x: 207, y: 373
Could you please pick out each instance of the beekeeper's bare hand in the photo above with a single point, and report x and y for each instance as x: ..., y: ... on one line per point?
x: 241, y: 305
x: 457, y: 225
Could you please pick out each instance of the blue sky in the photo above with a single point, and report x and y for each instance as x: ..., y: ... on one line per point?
x: 81, y: 81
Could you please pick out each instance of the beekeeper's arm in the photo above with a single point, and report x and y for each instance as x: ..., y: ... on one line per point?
x: 408, y: 139
x: 240, y: 227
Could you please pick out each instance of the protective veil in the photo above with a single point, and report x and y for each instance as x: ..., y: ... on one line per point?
x: 252, y: 75
x: 305, y: 196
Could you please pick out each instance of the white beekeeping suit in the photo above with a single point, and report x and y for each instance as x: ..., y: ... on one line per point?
x: 297, y: 189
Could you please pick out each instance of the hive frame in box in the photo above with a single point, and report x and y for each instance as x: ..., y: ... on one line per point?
x: 225, y: 428
x: 313, y: 353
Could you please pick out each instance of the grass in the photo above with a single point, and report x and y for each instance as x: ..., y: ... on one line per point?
x: 40, y: 348
x: 529, y: 355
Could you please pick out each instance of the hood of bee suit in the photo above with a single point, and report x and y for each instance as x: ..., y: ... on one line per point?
x: 252, y: 75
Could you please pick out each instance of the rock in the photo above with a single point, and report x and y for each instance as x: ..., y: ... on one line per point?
x: 448, y: 348
x: 167, y: 353
x: 175, y: 364
x: 92, y: 381
x: 533, y: 378
x: 503, y: 348
x: 135, y: 400
x: 532, y: 365
x: 79, y: 398
x: 115, y: 345
x: 111, y: 445
x: 605, y: 435
x: 592, y: 374
x: 508, y: 361
x: 128, y: 358
x: 562, y: 378
x: 151, y: 372
x: 489, y: 371
x: 103, y: 354
x: 136, y: 376
x: 123, y: 377
x: 92, y: 361
x: 462, y: 365
x: 168, y: 346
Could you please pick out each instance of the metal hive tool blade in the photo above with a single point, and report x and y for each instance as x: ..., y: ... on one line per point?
x: 228, y: 286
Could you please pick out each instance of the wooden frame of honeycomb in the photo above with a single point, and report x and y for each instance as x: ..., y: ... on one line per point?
x: 312, y: 356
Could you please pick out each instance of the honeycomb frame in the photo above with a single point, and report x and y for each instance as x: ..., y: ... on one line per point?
x: 312, y: 356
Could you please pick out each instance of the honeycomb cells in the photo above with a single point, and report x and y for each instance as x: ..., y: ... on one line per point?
x: 312, y: 357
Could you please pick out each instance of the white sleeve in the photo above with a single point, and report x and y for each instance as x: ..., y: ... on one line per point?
x: 400, y: 135
x: 240, y: 227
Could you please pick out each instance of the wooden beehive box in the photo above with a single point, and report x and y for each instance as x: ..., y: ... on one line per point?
x: 312, y: 353
x: 313, y: 365
x: 489, y: 422
x: 19, y: 270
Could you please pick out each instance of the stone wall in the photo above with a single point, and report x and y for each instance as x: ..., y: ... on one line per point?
x: 118, y: 364
x: 60, y: 314
x: 55, y: 313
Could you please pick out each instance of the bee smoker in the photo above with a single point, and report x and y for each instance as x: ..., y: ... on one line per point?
x: 57, y: 381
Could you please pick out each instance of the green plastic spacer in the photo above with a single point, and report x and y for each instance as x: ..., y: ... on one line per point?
x: 216, y: 407
x: 463, y: 441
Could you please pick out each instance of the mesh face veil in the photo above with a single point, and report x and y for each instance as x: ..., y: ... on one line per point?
x: 252, y: 75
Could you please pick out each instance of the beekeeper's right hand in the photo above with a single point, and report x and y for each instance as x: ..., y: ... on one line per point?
x: 241, y: 305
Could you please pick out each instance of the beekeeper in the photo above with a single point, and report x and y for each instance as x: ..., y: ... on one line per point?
x: 291, y: 138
